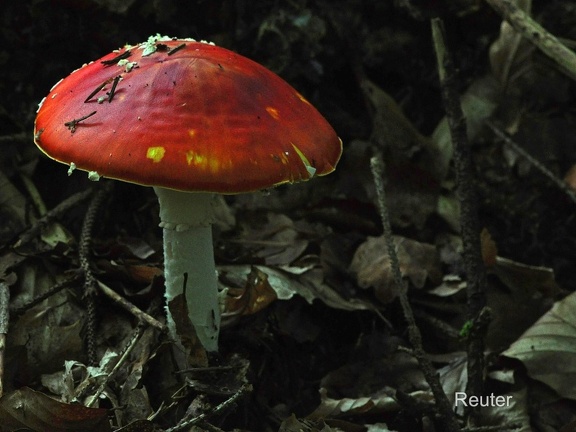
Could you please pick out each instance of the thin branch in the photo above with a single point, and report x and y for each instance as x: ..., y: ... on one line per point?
x: 134, y: 310
x: 448, y: 418
x: 470, y: 226
x: 90, y: 286
x: 562, y: 185
x: 60, y: 209
x: 121, y: 360
x: 72, y: 280
x: 538, y: 35
x: 185, y: 424
x: 4, y: 319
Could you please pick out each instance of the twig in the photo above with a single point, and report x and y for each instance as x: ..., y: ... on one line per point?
x: 562, y: 185
x: 134, y: 310
x: 448, y: 418
x: 538, y: 35
x: 200, y: 418
x: 75, y: 278
x: 470, y: 232
x: 90, y: 290
x: 61, y: 208
x: 4, y: 319
x: 499, y: 428
x: 121, y: 359
x: 33, y: 194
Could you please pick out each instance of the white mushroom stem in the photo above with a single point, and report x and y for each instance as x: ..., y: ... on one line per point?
x: 189, y: 268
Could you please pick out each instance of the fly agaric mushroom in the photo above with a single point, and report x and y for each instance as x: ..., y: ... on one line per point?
x: 192, y: 120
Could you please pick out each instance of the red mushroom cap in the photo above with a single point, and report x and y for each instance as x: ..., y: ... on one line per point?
x: 185, y: 115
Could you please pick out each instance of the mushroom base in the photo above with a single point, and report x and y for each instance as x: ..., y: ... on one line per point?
x: 189, y: 267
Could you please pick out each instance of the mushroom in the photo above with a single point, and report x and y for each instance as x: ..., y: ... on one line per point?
x: 192, y: 120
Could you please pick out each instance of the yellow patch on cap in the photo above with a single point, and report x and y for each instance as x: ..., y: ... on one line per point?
x: 302, y: 98
x: 193, y: 158
x: 273, y: 112
x: 155, y: 153
x: 206, y: 162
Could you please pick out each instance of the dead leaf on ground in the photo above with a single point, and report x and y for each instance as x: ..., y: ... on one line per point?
x: 125, y: 247
x: 392, y: 130
x: 509, y: 53
x: 72, y: 382
x: 454, y: 378
x: 51, y: 331
x: 361, y: 406
x: 532, y: 88
x: 528, y: 293
x: 530, y: 279
x: 378, y: 371
x: 195, y: 352
x: 228, y: 379
x: 368, y: 386
x: 256, y: 295
x: 514, y: 412
x: 478, y: 102
x: 412, y: 160
x: 352, y: 406
x: 26, y: 409
x: 130, y: 272
x: 548, y: 348
x: 276, y: 240
x: 451, y: 285
x: 309, y: 285
x: 418, y: 262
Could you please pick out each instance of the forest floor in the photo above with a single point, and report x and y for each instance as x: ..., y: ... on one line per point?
x: 313, y: 337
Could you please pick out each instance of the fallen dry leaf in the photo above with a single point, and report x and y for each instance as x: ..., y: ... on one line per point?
x: 528, y: 293
x: 351, y: 407
x: 256, y: 294
x: 454, y: 378
x: 570, y: 177
x: 548, y: 348
x: 418, y: 262
x: 274, y: 240
x: 309, y: 285
x: 478, y: 102
x: 526, y: 278
x: 26, y: 409
x: 509, y: 53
